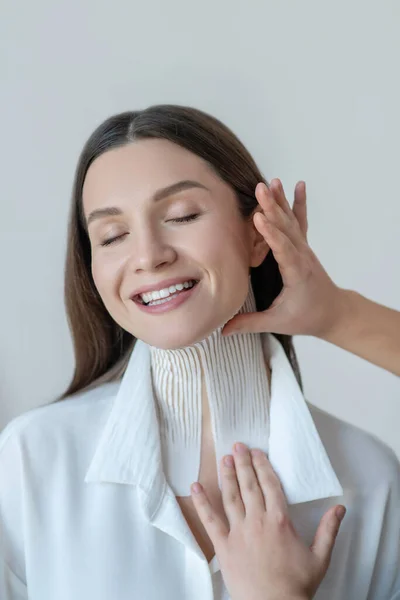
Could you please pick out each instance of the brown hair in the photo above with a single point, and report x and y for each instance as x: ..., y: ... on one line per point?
x: 102, y: 348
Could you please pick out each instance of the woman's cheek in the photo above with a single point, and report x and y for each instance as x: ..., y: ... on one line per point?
x: 225, y: 244
x: 103, y: 277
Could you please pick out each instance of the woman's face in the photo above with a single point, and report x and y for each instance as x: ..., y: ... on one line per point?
x: 145, y: 236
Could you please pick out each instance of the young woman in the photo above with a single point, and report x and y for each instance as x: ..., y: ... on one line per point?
x: 96, y: 495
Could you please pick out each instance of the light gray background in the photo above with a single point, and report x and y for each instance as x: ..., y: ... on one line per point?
x: 312, y: 88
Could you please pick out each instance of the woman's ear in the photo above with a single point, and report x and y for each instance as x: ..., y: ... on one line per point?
x: 259, y: 247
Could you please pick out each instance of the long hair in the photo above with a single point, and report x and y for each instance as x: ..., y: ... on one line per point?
x: 102, y: 348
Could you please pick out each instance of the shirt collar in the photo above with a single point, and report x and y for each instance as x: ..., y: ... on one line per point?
x: 129, y: 448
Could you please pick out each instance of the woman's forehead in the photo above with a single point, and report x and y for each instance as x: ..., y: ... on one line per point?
x: 140, y: 169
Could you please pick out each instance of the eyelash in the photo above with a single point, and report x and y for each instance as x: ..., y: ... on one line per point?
x: 186, y: 219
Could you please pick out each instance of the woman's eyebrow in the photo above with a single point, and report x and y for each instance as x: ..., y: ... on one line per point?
x: 160, y: 194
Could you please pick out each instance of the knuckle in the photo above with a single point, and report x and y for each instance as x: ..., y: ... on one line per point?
x: 257, y: 525
x: 245, y: 468
x: 251, y: 485
x: 271, y: 479
x: 230, y: 475
x: 209, y: 518
x: 282, y: 520
x: 232, y: 498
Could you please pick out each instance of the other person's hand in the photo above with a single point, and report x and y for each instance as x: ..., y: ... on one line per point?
x: 260, y: 554
x: 310, y: 302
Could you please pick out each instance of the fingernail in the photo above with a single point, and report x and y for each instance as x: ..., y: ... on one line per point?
x: 340, y: 512
x: 231, y: 332
x: 228, y: 461
x: 196, y: 488
x: 240, y: 448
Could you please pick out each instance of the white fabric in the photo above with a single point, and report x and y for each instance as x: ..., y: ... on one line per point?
x: 239, y: 400
x: 86, y: 511
x: 295, y: 449
x: 232, y: 372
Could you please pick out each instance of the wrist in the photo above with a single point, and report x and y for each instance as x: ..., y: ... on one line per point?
x: 343, y: 312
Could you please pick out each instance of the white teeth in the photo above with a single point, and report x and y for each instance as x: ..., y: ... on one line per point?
x: 152, y: 297
x: 163, y: 301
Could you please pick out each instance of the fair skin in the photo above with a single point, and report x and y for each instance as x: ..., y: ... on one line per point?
x: 310, y: 302
x: 216, y: 249
x: 149, y: 246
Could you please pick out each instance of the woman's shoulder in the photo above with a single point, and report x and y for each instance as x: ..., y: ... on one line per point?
x: 357, y: 455
x: 34, y: 447
x: 43, y: 425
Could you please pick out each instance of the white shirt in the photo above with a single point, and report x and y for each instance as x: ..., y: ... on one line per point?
x: 86, y: 512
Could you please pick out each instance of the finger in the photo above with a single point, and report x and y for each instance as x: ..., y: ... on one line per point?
x: 300, y: 206
x: 259, y: 322
x: 269, y: 198
x: 279, y: 218
x: 325, y: 536
x: 252, y: 496
x: 285, y: 252
x: 231, y: 497
x: 213, y: 524
x: 280, y: 197
x: 263, y: 190
x: 275, y: 499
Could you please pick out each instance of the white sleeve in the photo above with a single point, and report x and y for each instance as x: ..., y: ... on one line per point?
x: 12, y: 562
x: 11, y: 587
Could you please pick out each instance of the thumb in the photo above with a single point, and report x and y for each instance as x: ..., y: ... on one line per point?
x: 326, y: 534
x: 257, y: 322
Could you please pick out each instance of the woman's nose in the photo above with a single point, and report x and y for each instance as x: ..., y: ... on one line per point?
x: 150, y: 252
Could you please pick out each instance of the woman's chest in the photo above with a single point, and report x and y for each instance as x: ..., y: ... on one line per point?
x: 208, y: 477
x: 194, y: 523
x: 108, y: 546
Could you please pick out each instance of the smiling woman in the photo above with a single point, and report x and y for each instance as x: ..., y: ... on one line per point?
x: 154, y: 199
x: 96, y: 489
x: 167, y: 230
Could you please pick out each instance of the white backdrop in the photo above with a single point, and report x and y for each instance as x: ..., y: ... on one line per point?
x: 311, y: 87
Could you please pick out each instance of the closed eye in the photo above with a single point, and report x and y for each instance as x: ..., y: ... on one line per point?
x: 185, y: 219
x: 113, y: 239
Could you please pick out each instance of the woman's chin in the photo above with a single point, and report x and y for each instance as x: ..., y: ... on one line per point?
x: 174, y: 340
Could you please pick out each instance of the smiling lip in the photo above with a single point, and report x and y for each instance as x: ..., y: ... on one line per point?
x: 176, y: 301
x: 160, y: 286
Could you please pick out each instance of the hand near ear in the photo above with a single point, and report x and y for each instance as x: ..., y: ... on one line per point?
x: 309, y: 298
